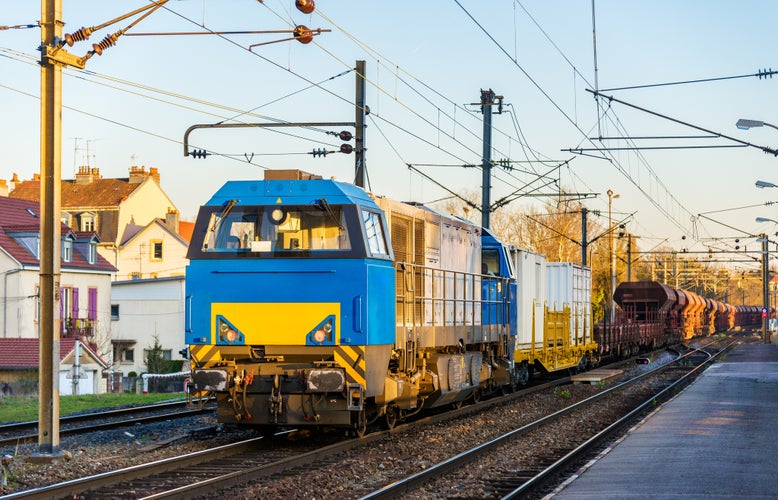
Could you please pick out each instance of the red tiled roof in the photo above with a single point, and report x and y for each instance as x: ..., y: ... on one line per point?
x: 98, y: 193
x: 23, y: 353
x: 185, y: 229
x: 17, y: 216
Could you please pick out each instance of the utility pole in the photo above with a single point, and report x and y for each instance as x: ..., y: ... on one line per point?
x: 629, y: 257
x: 50, y: 195
x: 359, y: 126
x: 584, y: 243
x: 487, y: 101
x: 765, y: 293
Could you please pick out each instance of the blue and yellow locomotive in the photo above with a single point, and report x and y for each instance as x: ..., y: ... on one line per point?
x: 310, y: 302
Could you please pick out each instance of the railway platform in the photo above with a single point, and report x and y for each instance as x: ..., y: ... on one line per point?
x: 717, y: 438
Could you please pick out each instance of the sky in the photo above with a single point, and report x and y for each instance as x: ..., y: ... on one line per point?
x: 426, y: 64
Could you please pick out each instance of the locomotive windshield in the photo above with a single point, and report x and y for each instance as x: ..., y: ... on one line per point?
x: 277, y: 229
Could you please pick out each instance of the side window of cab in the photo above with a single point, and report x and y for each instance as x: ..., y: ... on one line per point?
x: 374, y: 233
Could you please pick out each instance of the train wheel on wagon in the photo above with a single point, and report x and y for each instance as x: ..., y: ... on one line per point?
x: 522, y: 374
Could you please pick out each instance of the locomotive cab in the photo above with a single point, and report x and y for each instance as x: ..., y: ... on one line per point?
x: 281, y: 322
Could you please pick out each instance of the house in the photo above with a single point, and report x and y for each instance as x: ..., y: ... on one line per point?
x: 80, y: 368
x: 142, y: 309
x: 140, y: 233
x: 85, y: 279
x: 138, y: 225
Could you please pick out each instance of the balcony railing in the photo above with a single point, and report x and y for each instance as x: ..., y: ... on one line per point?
x: 76, y: 328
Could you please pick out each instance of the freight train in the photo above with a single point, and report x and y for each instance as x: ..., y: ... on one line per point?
x: 653, y: 314
x: 311, y: 302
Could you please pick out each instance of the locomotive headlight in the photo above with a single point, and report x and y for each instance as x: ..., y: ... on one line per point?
x: 226, y: 332
x: 323, y: 333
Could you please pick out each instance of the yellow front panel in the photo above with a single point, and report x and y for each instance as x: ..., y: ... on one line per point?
x: 276, y: 323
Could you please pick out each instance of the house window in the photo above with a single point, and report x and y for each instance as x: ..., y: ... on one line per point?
x: 92, y: 252
x: 128, y: 355
x: 114, y: 312
x: 67, y: 250
x: 156, y: 250
x: 87, y: 222
x: 67, y: 306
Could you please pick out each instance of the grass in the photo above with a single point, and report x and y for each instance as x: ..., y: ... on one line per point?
x: 24, y: 409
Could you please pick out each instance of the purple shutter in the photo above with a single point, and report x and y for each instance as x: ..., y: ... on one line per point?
x: 75, y: 304
x: 61, y: 310
x: 92, y: 304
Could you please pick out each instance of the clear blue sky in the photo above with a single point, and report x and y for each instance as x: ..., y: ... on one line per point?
x: 426, y: 62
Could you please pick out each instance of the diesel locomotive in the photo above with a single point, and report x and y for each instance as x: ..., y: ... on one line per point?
x: 312, y: 302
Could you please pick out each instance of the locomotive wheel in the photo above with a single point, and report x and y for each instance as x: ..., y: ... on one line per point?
x: 476, y: 397
x: 360, y: 424
x: 392, y: 412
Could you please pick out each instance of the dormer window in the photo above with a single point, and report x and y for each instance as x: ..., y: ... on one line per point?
x: 92, y: 252
x: 67, y: 250
x: 87, y: 222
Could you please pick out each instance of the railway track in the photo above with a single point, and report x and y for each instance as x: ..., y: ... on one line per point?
x: 23, y: 432
x: 527, y: 480
x: 222, y: 468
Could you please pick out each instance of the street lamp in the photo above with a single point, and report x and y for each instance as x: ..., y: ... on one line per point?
x: 612, y: 304
x: 744, y: 124
x: 765, y: 279
x: 765, y: 184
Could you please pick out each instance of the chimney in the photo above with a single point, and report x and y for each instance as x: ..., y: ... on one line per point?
x: 171, y: 219
x: 137, y: 174
x: 154, y: 173
x: 36, y: 177
x: 84, y: 176
x: 3, y: 188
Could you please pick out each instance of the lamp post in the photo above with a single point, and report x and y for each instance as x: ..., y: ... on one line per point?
x: 765, y: 280
x: 612, y: 255
x: 765, y: 184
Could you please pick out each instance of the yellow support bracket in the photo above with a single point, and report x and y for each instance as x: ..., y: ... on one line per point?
x: 62, y: 56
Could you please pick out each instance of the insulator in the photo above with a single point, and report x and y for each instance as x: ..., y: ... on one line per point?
x: 305, y: 6
x: 345, y: 135
x: 346, y: 149
x: 108, y: 41
x: 198, y: 153
x: 81, y: 34
x: 319, y: 152
x: 303, y: 34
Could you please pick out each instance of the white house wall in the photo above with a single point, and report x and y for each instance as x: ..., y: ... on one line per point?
x: 18, y: 298
x: 146, y: 308
x: 136, y: 255
x: 142, y: 206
